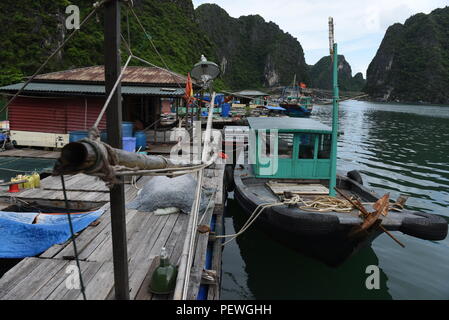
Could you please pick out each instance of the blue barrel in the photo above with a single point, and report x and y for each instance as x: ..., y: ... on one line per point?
x: 104, y: 136
x: 225, y: 109
x: 77, y: 135
x: 141, y: 140
x: 127, y: 129
x: 129, y: 144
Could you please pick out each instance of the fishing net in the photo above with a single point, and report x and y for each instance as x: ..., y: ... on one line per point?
x: 162, y: 192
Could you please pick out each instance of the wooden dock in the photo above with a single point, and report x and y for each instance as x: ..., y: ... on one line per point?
x: 45, y: 276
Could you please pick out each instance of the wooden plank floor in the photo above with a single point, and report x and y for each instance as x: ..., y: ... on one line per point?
x: 46, y: 276
x: 30, y: 153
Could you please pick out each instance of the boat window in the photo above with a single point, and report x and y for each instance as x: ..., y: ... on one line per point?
x: 324, y: 146
x: 306, y: 146
x: 285, y: 145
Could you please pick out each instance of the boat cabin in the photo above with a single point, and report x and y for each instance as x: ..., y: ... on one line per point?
x: 290, y: 148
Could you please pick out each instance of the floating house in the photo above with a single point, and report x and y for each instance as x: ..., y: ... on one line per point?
x: 57, y: 103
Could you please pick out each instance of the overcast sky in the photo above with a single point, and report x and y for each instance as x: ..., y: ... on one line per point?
x: 359, y: 24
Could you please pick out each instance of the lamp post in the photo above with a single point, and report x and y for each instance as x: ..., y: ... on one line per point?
x: 204, y: 72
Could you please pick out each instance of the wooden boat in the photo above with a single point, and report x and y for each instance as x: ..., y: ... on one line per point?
x: 295, y: 103
x: 300, y: 165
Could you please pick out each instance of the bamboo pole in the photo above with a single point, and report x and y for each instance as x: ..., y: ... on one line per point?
x: 189, y: 243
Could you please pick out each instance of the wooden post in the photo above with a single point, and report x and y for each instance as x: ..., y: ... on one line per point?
x: 112, y: 69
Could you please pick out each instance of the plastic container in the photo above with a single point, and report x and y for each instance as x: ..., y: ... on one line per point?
x: 77, y: 135
x: 141, y: 140
x: 225, y: 109
x: 37, y: 180
x: 104, y: 136
x: 127, y: 129
x: 129, y: 144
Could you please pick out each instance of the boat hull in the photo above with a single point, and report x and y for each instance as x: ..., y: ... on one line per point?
x: 325, y: 236
x: 297, y: 111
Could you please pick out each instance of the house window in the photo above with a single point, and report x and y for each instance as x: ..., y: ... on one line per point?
x: 306, y: 146
x: 324, y: 146
x: 285, y: 145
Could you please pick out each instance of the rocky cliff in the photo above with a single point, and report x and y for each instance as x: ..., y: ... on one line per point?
x: 321, y: 75
x: 412, y: 62
x: 252, y: 53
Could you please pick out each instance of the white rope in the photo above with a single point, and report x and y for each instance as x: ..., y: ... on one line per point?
x: 152, y: 43
x: 97, y: 122
x: 317, y: 205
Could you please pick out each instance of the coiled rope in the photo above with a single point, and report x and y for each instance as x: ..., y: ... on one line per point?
x: 319, y: 204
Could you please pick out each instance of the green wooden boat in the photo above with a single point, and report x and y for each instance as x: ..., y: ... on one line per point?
x: 300, y: 162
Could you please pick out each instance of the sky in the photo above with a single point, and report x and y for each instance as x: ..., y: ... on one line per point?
x: 359, y: 25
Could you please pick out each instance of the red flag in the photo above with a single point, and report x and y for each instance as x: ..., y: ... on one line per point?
x: 189, y: 89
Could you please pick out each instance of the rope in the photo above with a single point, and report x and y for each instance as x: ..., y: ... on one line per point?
x: 97, y: 122
x: 152, y: 43
x: 96, y: 5
x: 73, y: 238
x: 320, y: 204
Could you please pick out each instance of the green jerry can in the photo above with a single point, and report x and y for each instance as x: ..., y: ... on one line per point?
x: 163, y: 280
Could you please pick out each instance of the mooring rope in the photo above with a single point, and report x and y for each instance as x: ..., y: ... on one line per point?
x: 319, y: 204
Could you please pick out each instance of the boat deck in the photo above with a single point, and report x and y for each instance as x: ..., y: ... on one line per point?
x: 46, y: 276
x: 259, y: 189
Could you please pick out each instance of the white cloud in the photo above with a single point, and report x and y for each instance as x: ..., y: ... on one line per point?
x: 355, y: 20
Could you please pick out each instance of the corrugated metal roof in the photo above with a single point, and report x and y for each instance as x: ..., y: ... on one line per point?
x: 133, y: 74
x: 93, y: 89
x: 250, y: 93
x: 288, y: 124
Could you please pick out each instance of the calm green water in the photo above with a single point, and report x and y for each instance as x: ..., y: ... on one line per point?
x: 398, y: 149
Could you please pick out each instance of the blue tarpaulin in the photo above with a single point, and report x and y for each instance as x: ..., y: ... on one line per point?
x: 20, y: 238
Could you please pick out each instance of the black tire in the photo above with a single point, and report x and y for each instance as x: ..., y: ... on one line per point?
x: 229, y: 177
x: 9, y: 146
x: 355, y: 175
x: 433, y: 227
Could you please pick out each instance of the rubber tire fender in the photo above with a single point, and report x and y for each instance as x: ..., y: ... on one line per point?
x: 433, y: 227
x: 355, y: 175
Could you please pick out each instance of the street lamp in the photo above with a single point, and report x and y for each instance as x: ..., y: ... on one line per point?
x: 204, y: 72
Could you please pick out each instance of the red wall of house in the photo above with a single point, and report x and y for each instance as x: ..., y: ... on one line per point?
x: 55, y: 115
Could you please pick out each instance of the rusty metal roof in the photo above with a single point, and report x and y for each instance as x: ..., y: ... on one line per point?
x: 43, y: 87
x: 133, y: 75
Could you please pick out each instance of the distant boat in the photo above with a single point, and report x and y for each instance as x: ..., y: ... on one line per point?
x: 295, y: 102
x: 27, y: 234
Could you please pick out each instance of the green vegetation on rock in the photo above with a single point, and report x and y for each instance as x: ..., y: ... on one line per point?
x: 252, y: 53
x: 36, y: 28
x: 412, y: 63
x: 321, y: 75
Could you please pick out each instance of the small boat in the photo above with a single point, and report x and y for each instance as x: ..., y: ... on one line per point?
x: 27, y: 234
x: 295, y: 103
x: 298, y: 173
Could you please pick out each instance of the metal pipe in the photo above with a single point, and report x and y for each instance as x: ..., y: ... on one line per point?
x: 112, y: 70
x: 333, y: 177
